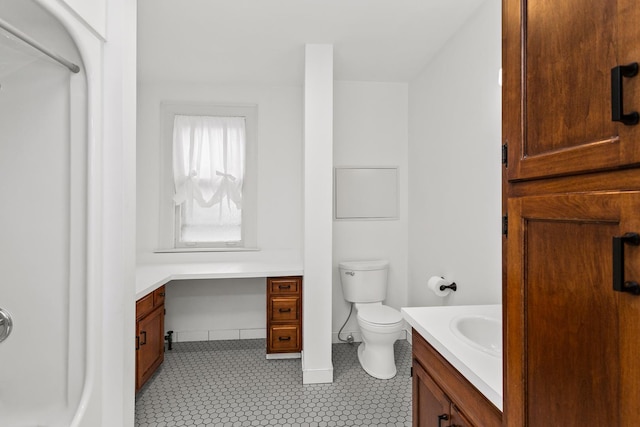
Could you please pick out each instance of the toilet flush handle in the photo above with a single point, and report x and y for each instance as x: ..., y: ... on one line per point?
x: 350, y: 273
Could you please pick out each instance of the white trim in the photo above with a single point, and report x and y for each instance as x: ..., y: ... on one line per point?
x: 180, y: 250
x: 317, y: 376
x: 220, y: 335
x: 405, y: 334
x: 276, y: 356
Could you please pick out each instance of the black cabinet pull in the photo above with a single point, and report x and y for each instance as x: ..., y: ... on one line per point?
x: 619, y: 284
x: 617, y: 110
x: 284, y: 310
x: 441, y: 418
x: 137, y: 342
x: 284, y: 338
x: 284, y: 287
x: 145, y: 337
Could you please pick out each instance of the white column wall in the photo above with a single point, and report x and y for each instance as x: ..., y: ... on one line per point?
x: 318, y: 163
x: 118, y: 293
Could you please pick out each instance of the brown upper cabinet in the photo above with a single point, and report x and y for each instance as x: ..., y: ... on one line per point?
x: 557, y: 62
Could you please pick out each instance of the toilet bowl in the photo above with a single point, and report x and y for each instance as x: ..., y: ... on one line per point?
x: 364, y: 283
x: 380, y: 326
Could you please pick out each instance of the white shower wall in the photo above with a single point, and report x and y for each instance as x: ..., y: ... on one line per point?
x: 43, y: 183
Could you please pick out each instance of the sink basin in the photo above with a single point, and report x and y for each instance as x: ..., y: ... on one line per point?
x: 483, y: 333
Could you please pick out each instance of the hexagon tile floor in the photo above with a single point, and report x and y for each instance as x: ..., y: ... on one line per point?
x: 231, y: 383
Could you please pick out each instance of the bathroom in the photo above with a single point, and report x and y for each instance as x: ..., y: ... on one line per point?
x: 444, y: 200
x: 439, y: 125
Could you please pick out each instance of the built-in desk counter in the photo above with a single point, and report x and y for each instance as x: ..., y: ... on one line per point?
x: 149, y: 277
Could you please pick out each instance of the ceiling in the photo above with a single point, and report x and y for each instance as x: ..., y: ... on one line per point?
x: 262, y: 41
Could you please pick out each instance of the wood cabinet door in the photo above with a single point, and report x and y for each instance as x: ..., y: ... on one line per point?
x: 150, y: 349
x: 431, y: 406
x: 557, y: 61
x: 458, y: 419
x: 571, y: 341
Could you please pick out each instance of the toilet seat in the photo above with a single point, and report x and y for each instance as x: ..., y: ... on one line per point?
x: 379, y: 315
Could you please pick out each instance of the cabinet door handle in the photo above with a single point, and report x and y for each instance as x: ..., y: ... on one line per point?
x: 442, y: 418
x: 284, y: 338
x: 145, y: 337
x: 284, y: 287
x: 285, y: 310
x: 619, y: 284
x: 137, y: 342
x: 617, y: 110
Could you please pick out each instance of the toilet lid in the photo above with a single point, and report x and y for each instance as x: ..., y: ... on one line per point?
x: 380, y: 314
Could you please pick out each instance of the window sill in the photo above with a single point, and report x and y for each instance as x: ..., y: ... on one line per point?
x: 183, y: 250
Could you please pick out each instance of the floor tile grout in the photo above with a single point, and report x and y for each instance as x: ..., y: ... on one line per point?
x: 231, y: 383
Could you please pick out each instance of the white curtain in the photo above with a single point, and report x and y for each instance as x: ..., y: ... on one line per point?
x: 208, y: 160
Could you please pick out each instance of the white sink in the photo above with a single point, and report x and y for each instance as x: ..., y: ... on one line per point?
x: 481, y: 332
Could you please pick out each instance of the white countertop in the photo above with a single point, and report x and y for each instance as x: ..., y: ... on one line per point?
x: 150, y: 277
x: 482, y: 370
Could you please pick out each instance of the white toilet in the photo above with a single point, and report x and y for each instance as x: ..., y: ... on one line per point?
x: 365, y: 284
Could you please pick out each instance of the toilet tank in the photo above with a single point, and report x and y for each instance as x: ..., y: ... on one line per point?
x: 364, y: 281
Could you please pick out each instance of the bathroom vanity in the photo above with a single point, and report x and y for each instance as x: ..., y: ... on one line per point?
x: 284, y: 305
x: 149, y: 335
x: 455, y: 381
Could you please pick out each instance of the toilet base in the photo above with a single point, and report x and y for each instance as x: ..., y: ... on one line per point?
x: 377, y: 360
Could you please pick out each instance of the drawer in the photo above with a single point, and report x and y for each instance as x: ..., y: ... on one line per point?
x: 144, y: 306
x: 284, y: 285
x: 284, y: 309
x: 158, y: 296
x: 284, y: 338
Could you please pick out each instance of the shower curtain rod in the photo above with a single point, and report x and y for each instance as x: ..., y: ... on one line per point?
x: 28, y: 40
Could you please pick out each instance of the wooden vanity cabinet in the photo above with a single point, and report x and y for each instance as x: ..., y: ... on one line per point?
x: 284, y: 315
x: 149, y: 335
x: 442, y: 396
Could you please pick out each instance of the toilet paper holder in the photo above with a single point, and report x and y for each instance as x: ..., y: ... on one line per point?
x: 452, y: 286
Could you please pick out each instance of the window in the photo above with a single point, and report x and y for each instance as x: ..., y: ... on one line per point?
x: 212, y: 176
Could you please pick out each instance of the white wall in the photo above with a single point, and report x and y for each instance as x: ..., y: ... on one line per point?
x: 370, y: 129
x: 201, y: 310
x: 279, y: 162
x: 454, y: 166
x: 279, y: 219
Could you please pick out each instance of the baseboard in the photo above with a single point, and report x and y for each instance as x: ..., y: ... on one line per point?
x: 316, y: 376
x: 219, y: 335
x: 357, y: 336
x: 275, y: 356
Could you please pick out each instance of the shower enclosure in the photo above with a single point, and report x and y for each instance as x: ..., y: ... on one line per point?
x: 44, y: 240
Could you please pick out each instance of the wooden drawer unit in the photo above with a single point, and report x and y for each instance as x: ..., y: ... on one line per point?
x: 284, y: 315
x: 149, y: 335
